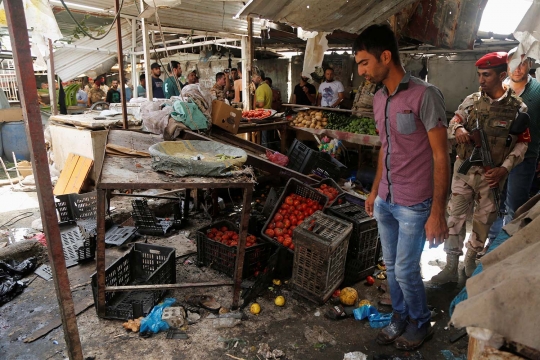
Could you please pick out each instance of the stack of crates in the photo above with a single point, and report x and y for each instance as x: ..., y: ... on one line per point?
x: 364, y: 245
x: 321, y: 244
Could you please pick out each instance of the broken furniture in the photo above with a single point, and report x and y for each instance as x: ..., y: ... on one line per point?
x: 136, y: 173
x: 148, y: 224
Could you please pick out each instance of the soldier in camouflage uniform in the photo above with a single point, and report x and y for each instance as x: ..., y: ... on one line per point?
x: 499, y: 112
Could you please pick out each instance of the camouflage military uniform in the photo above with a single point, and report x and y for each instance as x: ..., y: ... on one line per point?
x: 218, y: 92
x: 472, y: 188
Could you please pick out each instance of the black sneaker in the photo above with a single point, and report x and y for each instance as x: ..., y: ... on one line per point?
x: 390, y: 333
x: 414, y: 336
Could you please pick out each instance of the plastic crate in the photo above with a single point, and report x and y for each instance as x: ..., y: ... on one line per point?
x: 76, y: 206
x: 364, y: 245
x: 321, y: 244
x: 328, y: 167
x: 332, y: 183
x: 293, y: 187
x: 78, y: 245
x: 147, y: 223
x: 144, y: 264
x: 301, y: 157
x: 222, y: 258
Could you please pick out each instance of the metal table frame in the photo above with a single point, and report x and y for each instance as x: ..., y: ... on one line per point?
x: 136, y: 173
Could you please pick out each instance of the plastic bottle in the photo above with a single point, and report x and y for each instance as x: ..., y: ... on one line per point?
x: 221, y: 323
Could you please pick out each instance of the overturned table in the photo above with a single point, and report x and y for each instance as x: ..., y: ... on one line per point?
x: 136, y: 173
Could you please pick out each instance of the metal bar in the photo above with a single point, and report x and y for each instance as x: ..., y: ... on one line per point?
x: 50, y: 77
x: 100, y: 252
x: 260, y: 127
x: 121, y: 65
x: 134, y: 71
x: 241, y: 250
x: 188, y: 46
x: 18, y: 33
x: 318, y: 108
x: 148, y: 76
x: 167, y: 286
x: 146, y: 196
x: 249, y: 68
x: 174, y: 30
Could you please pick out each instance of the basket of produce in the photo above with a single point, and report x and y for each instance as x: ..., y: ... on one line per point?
x: 329, y: 188
x: 297, y: 202
x: 352, y: 124
x: 313, y: 119
x: 217, y: 246
x: 321, y: 243
x: 258, y: 114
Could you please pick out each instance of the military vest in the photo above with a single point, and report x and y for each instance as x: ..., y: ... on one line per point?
x: 495, y: 119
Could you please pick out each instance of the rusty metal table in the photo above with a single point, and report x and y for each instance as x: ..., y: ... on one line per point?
x: 136, y: 173
x: 279, y: 124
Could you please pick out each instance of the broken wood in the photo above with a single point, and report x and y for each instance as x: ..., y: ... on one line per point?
x: 57, y: 322
x: 167, y: 286
x: 73, y: 175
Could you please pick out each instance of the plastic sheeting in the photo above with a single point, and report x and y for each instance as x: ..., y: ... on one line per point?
x: 528, y: 35
x: 196, y: 158
x: 315, y: 48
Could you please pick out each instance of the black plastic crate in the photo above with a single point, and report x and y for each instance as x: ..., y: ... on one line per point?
x: 148, y: 224
x: 328, y: 167
x: 293, y: 187
x: 321, y: 244
x: 76, y: 206
x: 222, y: 258
x: 301, y: 157
x: 332, y: 183
x: 364, y: 245
x: 144, y: 264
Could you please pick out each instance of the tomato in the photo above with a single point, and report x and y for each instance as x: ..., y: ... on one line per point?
x: 218, y: 238
x: 269, y: 232
x: 291, y: 246
x: 214, y: 230
x: 271, y: 225
x: 233, y: 243
x: 319, y: 207
x: 280, y: 239
x: 304, y: 206
x: 287, y: 242
x: 289, y: 200
x: 324, y: 186
x: 286, y: 223
x: 225, y: 237
x: 293, y: 227
x: 211, y: 236
x: 370, y: 280
x: 278, y: 231
x: 296, y: 202
x: 310, y: 211
x: 285, y: 206
x: 278, y: 217
x: 293, y: 218
x: 336, y: 293
x: 224, y: 228
x: 282, y: 211
x: 279, y: 224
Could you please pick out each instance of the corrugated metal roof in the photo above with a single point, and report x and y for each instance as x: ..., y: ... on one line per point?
x: 204, y: 15
x: 322, y: 15
x: 71, y: 62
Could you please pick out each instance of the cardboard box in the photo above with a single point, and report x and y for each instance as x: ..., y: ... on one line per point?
x: 225, y: 116
x: 11, y: 114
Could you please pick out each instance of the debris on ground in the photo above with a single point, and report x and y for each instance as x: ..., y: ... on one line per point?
x: 357, y: 355
x: 318, y: 335
x: 11, y: 273
x: 133, y: 325
x: 264, y: 350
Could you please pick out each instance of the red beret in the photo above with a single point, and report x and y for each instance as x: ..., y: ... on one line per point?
x: 492, y: 60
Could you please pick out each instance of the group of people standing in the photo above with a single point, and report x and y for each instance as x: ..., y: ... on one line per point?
x: 409, y: 197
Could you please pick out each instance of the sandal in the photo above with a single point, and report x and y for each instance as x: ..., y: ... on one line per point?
x: 339, y: 312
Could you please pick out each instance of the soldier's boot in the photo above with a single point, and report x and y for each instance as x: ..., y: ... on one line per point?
x: 450, y: 271
x: 470, y: 262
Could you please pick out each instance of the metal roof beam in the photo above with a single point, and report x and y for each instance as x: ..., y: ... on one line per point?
x: 183, y: 31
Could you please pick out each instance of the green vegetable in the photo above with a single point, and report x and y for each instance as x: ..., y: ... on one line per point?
x: 352, y: 124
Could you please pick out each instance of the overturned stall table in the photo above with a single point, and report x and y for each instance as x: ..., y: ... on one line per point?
x: 124, y: 172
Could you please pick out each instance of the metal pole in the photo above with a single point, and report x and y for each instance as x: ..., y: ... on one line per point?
x: 36, y: 141
x: 121, y: 64
x: 134, y: 72
x: 148, y: 76
x: 50, y: 77
x: 249, y: 69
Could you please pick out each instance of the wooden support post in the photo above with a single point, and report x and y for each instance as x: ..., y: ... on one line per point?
x: 148, y: 75
x: 121, y: 73
x: 51, y: 80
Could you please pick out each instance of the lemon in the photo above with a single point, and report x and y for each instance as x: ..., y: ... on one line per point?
x: 276, y: 282
x: 255, y: 309
x: 280, y: 301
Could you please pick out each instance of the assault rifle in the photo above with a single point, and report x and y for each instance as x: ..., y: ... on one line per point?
x: 481, y: 156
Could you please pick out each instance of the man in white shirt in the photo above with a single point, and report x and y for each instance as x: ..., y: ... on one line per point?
x: 331, y: 92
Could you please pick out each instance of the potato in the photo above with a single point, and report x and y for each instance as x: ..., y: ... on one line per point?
x: 312, y: 126
x: 309, y: 122
x: 324, y: 119
x: 318, y: 117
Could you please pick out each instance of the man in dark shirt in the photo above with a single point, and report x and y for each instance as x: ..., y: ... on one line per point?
x: 157, y: 83
x: 172, y: 82
x: 304, y: 93
x: 113, y: 95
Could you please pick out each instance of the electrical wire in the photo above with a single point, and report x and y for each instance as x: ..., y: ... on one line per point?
x: 14, y: 219
x: 84, y: 31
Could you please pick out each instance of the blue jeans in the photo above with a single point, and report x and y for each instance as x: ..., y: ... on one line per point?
x: 518, y: 186
x: 403, y: 237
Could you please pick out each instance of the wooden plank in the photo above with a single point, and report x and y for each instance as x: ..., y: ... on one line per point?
x: 79, y: 175
x: 65, y: 175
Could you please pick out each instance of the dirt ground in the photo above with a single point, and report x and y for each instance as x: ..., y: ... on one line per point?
x: 275, y: 328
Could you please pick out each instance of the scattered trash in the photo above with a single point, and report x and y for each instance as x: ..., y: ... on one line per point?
x: 221, y: 323
x: 193, y: 317
x: 21, y: 234
x: 448, y: 355
x: 207, y: 302
x: 55, y: 342
x: 188, y: 262
x: 264, y: 350
x: 44, y: 272
x: 176, y: 334
x: 377, y: 321
x: 230, y: 343
x: 133, y: 325
x: 41, y: 239
x: 153, y: 322
x: 357, y: 355
x: 458, y: 336
x: 37, y: 225
x: 184, y: 232
x: 11, y: 273
x: 415, y: 356
x: 363, y: 312
x: 446, y: 328
x: 232, y: 315
x: 223, y: 310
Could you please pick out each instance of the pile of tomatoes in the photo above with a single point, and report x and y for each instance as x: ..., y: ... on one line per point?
x: 328, y: 191
x: 229, y: 237
x: 256, y: 114
x: 294, y: 210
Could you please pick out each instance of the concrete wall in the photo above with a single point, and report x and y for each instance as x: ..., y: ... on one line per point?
x: 455, y: 76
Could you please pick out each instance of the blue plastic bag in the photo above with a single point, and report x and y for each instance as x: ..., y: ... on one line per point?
x: 153, y: 321
x: 379, y: 320
x: 364, y: 312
